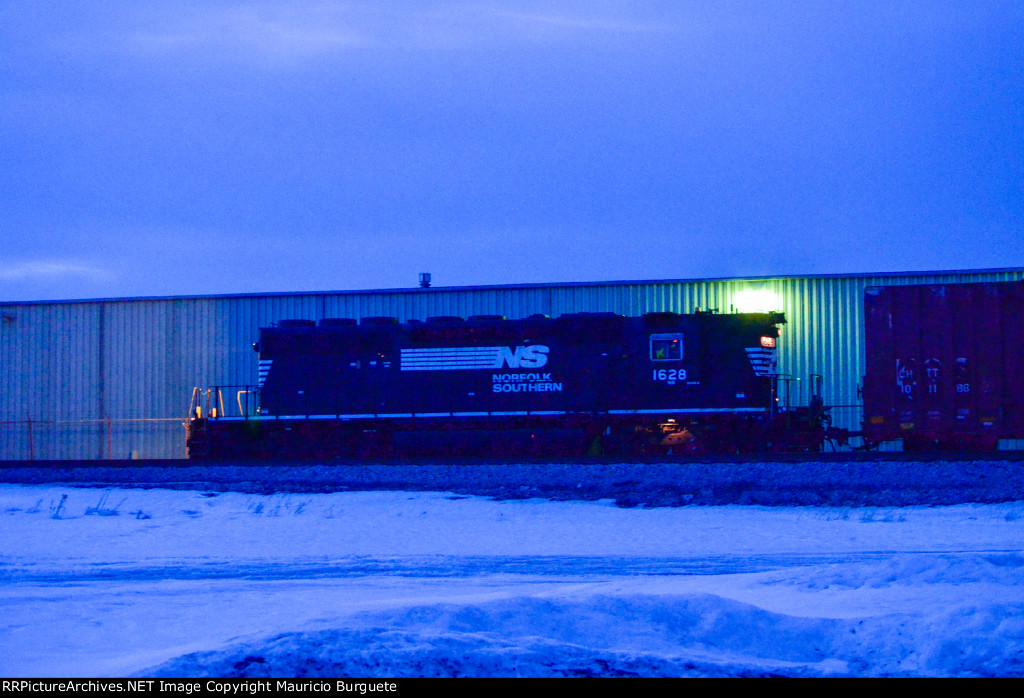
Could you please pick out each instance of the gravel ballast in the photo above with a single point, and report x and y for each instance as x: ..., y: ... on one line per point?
x: 874, y: 483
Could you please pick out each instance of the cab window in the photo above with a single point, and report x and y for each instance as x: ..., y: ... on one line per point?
x: 666, y: 347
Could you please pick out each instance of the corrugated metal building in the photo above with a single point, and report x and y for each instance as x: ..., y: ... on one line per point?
x: 112, y: 378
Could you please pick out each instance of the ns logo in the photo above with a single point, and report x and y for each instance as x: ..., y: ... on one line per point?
x: 533, y: 356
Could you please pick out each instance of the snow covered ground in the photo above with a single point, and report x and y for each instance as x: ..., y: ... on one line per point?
x: 112, y: 582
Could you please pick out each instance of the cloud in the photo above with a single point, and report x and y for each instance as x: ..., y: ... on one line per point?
x: 41, y: 270
x: 576, y: 22
x: 282, y: 34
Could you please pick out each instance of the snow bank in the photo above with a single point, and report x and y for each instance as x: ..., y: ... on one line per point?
x: 649, y: 636
x: 109, y: 582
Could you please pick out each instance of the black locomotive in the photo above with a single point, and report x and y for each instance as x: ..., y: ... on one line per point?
x: 584, y: 383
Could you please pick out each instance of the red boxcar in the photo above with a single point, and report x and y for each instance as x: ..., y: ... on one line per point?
x: 944, y: 365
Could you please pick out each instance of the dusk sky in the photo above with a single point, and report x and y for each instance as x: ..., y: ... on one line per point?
x: 180, y: 148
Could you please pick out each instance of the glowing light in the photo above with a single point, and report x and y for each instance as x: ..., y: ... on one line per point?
x: 756, y: 300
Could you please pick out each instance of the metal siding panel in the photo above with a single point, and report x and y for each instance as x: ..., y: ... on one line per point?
x: 49, y: 376
x: 152, y: 350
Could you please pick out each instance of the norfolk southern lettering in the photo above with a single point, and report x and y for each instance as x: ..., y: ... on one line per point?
x: 524, y: 383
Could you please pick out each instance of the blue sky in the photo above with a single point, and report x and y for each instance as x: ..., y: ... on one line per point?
x: 225, y: 147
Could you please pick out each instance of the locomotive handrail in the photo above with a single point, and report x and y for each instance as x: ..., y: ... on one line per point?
x: 785, y: 379
x: 195, y: 410
x: 215, y: 396
x: 208, y: 403
x: 244, y: 411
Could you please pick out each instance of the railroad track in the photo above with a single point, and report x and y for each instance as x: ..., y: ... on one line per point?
x: 806, y: 480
